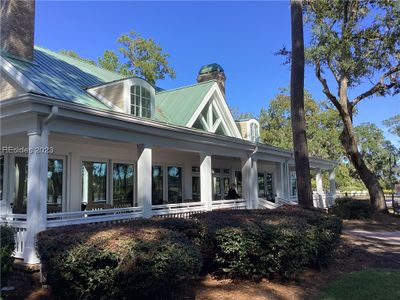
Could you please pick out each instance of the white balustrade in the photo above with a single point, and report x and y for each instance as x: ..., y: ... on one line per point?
x: 178, y: 210
x: 231, y: 203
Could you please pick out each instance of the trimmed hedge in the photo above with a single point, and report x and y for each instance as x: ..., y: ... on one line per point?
x: 151, y: 259
x: 260, y: 244
x: 7, y: 246
x: 349, y: 208
x: 138, y: 259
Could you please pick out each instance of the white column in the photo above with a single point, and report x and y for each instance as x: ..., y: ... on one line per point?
x: 250, y: 182
x: 206, y: 180
x: 332, y: 185
x: 280, y: 185
x: 37, y: 194
x: 286, y: 180
x: 144, y: 179
x: 320, y: 188
x: 44, y: 161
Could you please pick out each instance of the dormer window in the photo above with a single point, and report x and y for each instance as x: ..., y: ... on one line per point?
x: 254, y: 137
x: 140, y: 101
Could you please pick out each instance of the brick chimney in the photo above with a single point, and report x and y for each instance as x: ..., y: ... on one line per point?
x: 213, y: 72
x: 17, y: 28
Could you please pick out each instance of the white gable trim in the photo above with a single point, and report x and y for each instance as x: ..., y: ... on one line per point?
x: 219, y: 104
x: 19, y: 78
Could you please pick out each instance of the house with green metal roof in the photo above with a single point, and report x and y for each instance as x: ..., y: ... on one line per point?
x: 81, y: 144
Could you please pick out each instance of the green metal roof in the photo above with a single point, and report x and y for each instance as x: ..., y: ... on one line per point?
x: 178, y: 106
x: 211, y: 68
x: 67, y: 78
x: 64, y: 77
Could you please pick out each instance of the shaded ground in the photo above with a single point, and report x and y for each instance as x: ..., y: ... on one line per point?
x: 365, y: 244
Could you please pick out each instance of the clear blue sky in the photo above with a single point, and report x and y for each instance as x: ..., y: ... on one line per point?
x: 240, y: 36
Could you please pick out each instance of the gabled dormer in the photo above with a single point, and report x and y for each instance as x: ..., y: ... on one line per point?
x: 249, y: 129
x: 133, y: 96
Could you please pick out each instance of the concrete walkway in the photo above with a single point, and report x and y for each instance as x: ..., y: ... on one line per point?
x: 387, y: 237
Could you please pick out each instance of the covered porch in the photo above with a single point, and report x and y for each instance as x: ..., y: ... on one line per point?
x: 63, y: 166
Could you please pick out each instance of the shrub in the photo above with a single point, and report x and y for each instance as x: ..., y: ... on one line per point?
x: 348, y: 208
x: 268, y: 243
x: 6, y: 251
x: 135, y: 259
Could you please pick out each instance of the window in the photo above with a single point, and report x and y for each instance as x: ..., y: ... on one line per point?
x: 140, y: 101
x: 20, y: 185
x: 238, y: 182
x: 94, y: 184
x: 195, y: 184
x: 55, y: 177
x: 1, y: 176
x: 123, y: 185
x: 265, y: 186
x: 293, y: 184
x: 221, y: 183
x: 55, y: 185
x: 261, y: 185
x: 174, y: 184
x: 157, y: 185
x: 254, y: 132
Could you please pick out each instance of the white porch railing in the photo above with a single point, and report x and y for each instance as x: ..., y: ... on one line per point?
x: 18, y: 222
x: 178, y: 210
x: 111, y: 215
x: 232, y: 204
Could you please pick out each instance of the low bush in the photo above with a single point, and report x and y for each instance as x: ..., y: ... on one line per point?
x: 135, y: 259
x: 268, y: 243
x: 7, y: 246
x: 348, y: 208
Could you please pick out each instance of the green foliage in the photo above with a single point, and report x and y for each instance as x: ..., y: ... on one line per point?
x: 355, y: 39
x: 323, y: 126
x: 145, y: 57
x: 110, y: 61
x: 263, y: 244
x: 380, y: 155
x: 142, y: 57
x: 394, y: 124
x: 348, y: 208
x: 7, y: 246
x: 73, y: 54
x: 138, y: 259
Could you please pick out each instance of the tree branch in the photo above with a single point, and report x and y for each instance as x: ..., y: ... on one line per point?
x: 325, y: 86
x: 380, y: 86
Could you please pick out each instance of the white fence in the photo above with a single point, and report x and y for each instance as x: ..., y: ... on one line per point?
x: 112, y: 215
x: 229, y: 204
x: 178, y: 210
x: 18, y: 222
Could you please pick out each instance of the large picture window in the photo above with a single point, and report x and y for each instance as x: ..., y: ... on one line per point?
x: 195, y: 184
x: 221, y: 183
x: 140, y: 101
x: 157, y: 185
x: 20, y: 185
x: 265, y: 186
x: 123, y: 185
x: 174, y: 184
x: 55, y: 177
x: 94, y: 184
x: 55, y: 185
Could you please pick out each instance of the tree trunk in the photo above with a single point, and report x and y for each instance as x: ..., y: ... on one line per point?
x: 349, y: 143
x: 304, y: 191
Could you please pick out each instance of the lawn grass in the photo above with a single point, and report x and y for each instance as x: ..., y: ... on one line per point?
x: 377, y: 284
